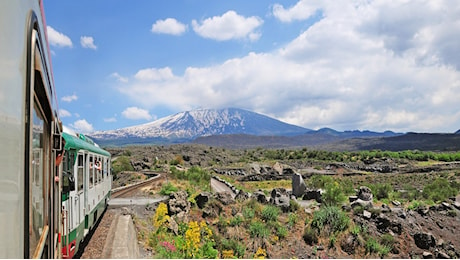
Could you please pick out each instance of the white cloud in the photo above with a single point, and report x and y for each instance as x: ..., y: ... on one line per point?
x: 169, y: 26
x: 87, y: 42
x: 136, y: 113
x: 64, y: 113
x: 228, y: 26
x: 69, y: 98
x: 119, y: 78
x: 82, y: 126
x: 58, y: 39
x: 352, y: 69
x: 302, y: 10
x: 154, y: 74
x: 110, y: 120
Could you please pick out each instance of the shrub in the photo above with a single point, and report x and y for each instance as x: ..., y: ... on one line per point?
x: 161, y: 215
x: 238, y: 249
x: 293, y: 205
x: 388, y: 241
x: 309, y: 236
x: 122, y: 164
x: 270, y: 213
x: 258, y: 229
x: 281, y: 231
x: 439, y: 190
x: 168, y: 188
x: 382, y: 191
x: 333, y: 195
x: 330, y: 219
x: 177, y: 160
x: 373, y: 246
x: 292, y: 219
x: 320, y: 181
x: 248, y: 213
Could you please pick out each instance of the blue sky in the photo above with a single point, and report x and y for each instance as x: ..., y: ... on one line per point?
x: 377, y: 65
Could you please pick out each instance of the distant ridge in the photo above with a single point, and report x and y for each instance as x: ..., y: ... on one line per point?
x: 239, y: 128
x: 188, y: 125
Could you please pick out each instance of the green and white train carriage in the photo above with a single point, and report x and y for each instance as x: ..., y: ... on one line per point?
x: 87, y: 184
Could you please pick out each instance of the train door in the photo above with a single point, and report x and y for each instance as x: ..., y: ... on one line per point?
x: 79, y: 200
x: 39, y: 166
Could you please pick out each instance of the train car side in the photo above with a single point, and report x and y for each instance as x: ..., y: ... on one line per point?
x: 29, y: 176
x: 87, y: 183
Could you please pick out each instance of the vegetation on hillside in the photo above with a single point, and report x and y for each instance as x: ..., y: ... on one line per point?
x: 250, y: 229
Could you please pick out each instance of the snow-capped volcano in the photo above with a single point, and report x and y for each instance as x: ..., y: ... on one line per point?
x: 189, y: 125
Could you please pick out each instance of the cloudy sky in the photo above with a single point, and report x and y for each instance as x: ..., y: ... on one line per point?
x: 377, y: 65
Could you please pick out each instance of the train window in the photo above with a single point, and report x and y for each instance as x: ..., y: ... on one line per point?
x: 99, y: 169
x: 80, y: 172
x: 91, y: 171
x: 104, y: 167
x: 37, y: 185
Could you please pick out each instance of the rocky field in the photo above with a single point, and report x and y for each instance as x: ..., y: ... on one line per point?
x: 347, y: 205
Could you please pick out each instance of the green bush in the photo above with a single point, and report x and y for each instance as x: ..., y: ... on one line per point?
x: 168, y: 188
x: 330, y: 219
x: 258, y: 229
x: 382, y: 191
x: 439, y: 190
x: 270, y: 213
x: 388, y: 241
x: 333, y: 195
x: 281, y: 231
x: 248, y: 213
x: 292, y: 219
x: 195, y: 175
x: 122, y: 163
x: 319, y: 181
x: 232, y: 244
x: 293, y: 205
x: 373, y: 246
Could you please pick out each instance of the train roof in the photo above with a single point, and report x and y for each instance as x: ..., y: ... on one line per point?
x: 82, y: 143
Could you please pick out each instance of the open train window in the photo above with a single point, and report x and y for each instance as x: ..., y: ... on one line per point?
x: 80, y: 172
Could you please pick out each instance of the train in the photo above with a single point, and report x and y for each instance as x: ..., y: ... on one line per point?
x: 86, y: 190
x: 54, y: 183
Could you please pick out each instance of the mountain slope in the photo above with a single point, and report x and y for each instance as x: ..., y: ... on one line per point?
x: 189, y: 125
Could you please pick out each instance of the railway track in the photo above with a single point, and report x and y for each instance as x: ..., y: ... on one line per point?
x: 129, y: 189
x: 93, y: 246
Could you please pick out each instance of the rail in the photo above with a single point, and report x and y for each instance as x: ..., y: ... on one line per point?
x: 117, y: 192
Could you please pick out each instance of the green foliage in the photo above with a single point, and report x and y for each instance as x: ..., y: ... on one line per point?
x: 387, y: 240
x: 373, y: 246
x: 122, y: 163
x: 236, y: 221
x: 281, y: 231
x: 414, y: 205
x: 320, y: 181
x: 248, y: 213
x: 258, y: 229
x: 382, y: 190
x: 168, y: 188
x: 330, y: 219
x: 196, y: 176
x: 292, y: 219
x: 439, y: 190
x: 270, y: 213
x: 232, y: 244
x: 333, y: 195
x: 293, y: 205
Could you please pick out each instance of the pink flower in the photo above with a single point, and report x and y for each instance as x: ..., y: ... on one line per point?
x: 169, y: 246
